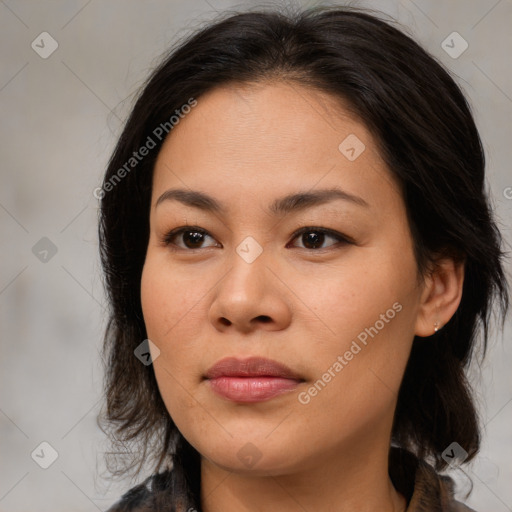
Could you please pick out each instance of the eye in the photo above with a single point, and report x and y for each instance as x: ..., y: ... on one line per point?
x: 314, y: 237
x: 191, y: 236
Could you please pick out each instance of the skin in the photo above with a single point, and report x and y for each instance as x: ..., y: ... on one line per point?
x: 246, y: 146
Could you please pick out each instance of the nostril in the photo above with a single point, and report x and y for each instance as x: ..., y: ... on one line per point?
x: 264, y: 318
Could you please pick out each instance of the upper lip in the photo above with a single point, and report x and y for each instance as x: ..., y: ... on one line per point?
x: 250, y: 367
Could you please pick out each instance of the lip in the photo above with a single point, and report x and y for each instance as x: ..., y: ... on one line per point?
x: 253, y: 379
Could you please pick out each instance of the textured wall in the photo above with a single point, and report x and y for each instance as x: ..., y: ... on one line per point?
x: 61, y: 113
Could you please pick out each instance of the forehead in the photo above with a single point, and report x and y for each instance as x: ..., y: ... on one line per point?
x: 256, y: 139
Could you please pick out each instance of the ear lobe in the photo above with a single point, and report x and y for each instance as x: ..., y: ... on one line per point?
x: 441, y: 296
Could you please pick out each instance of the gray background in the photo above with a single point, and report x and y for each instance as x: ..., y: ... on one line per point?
x: 60, y: 119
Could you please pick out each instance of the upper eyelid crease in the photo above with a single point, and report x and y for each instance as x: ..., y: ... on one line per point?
x: 291, y: 203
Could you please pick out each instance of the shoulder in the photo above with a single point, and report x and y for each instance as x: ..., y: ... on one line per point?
x: 424, y: 488
x: 460, y: 507
x: 435, y: 490
x: 151, y: 495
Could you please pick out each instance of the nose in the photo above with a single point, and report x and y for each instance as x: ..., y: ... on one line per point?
x: 251, y: 296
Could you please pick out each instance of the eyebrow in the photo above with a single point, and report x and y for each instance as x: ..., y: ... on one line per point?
x: 287, y: 204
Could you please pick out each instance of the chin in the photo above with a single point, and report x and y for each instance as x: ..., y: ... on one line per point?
x: 246, y: 455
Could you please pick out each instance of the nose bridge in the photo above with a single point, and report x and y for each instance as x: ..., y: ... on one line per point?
x: 249, y: 291
x: 248, y: 272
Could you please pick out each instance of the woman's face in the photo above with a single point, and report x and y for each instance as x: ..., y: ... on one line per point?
x: 340, y: 313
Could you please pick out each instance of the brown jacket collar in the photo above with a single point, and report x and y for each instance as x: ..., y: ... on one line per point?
x: 424, y: 489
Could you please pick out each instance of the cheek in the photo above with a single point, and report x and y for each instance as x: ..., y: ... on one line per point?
x: 349, y: 298
x: 367, y: 311
x: 169, y: 300
x: 166, y: 305
x: 173, y: 326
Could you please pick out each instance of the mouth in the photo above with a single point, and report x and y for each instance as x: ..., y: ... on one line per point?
x: 249, y: 380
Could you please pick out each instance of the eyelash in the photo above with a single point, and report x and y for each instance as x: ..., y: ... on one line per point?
x: 343, y: 239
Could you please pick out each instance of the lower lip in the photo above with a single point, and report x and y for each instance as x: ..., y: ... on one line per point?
x: 251, y: 389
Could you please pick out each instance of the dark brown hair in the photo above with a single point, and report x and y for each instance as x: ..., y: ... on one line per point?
x: 428, y: 138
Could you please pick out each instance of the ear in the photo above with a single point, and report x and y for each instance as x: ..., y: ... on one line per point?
x: 441, y: 296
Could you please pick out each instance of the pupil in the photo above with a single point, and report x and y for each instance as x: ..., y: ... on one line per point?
x: 313, y: 238
x: 195, y: 239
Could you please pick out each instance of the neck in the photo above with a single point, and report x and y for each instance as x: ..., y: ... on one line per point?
x: 344, y: 480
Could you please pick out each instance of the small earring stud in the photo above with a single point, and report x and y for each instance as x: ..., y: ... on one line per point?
x: 436, y: 326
